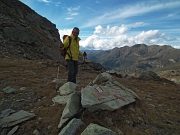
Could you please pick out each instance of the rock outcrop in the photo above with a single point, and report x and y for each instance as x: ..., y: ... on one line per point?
x: 25, y: 33
x: 103, y: 93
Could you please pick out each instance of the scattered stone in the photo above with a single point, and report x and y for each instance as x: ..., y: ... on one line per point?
x: 67, y: 88
x: 119, y: 132
x: 72, y: 106
x: 151, y: 106
x: 149, y: 98
x: 140, y: 118
x: 13, y: 130
x: 6, y: 113
x: 61, y: 99
x: 8, y: 90
x: 71, y: 127
x: 22, y: 88
x: 175, y: 80
x: 16, y: 118
x: 36, y: 132
x: 108, y: 121
x: 149, y: 75
x: 103, y: 77
x: 113, y: 72
x: 59, y: 81
x: 62, y: 122
x: 49, y: 126
x: 94, y: 129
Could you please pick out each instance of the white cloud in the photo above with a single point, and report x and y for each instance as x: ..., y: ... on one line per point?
x: 73, y: 8
x: 46, y: 1
x: 117, y: 37
x: 72, y: 11
x: 69, y: 18
x: 64, y: 32
x: 72, y: 14
x: 149, y: 37
x: 138, y: 24
x: 92, y: 41
x: 177, y: 47
x: 109, y: 31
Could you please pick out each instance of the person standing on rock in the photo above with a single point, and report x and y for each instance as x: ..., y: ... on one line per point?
x: 72, y: 54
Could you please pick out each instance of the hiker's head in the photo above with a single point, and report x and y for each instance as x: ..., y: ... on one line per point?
x: 75, y: 32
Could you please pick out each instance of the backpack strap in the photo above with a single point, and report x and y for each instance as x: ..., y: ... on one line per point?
x: 70, y: 56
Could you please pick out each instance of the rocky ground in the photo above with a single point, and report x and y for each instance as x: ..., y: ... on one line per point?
x: 158, y: 111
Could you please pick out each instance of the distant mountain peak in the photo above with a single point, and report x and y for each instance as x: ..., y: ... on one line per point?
x: 139, y: 57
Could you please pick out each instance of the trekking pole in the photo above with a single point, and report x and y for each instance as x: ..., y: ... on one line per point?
x: 84, y: 66
x: 57, y: 76
x: 57, y: 80
x: 85, y: 57
x: 84, y: 63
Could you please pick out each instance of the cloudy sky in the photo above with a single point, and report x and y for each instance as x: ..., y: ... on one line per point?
x: 105, y: 24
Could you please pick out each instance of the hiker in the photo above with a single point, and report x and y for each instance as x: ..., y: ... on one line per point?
x: 72, y: 54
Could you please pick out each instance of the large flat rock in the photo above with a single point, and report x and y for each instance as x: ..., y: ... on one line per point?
x: 16, y: 118
x: 106, y: 94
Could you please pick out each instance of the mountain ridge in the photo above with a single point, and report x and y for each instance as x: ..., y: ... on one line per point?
x: 138, y: 57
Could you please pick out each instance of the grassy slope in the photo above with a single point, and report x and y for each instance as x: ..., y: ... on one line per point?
x: 158, y: 111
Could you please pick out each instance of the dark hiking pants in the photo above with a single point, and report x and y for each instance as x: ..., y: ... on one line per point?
x: 72, y: 67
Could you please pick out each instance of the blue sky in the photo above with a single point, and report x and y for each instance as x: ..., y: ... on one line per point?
x: 105, y: 24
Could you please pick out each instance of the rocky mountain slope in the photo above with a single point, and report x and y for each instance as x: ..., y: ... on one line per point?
x: 25, y: 33
x: 139, y: 57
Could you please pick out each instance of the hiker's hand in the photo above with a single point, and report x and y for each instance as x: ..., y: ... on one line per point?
x: 84, y: 54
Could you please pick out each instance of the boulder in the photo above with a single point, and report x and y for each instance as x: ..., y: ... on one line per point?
x: 71, y: 127
x: 61, y: 99
x: 99, y: 97
x: 6, y: 113
x: 67, y: 88
x: 149, y: 75
x: 13, y: 130
x: 16, y: 118
x: 8, y: 90
x: 107, y: 94
x: 72, y: 107
x: 94, y: 129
